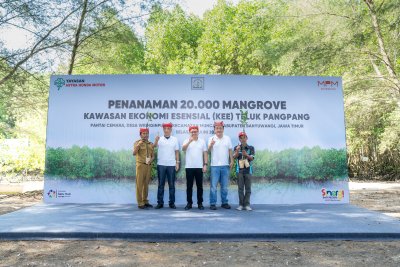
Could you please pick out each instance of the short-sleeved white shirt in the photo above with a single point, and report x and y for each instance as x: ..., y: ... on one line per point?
x: 166, y: 151
x: 220, y: 150
x: 194, y: 153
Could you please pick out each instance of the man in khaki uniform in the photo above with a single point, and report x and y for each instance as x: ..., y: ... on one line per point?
x: 144, y: 152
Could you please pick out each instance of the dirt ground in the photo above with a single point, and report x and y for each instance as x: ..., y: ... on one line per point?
x: 382, y: 197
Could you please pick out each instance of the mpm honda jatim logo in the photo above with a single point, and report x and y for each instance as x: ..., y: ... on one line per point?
x: 328, y: 85
x: 197, y: 83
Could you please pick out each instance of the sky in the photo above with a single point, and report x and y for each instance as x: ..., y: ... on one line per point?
x: 198, y: 7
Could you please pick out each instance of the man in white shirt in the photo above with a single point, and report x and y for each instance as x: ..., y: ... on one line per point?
x: 196, y: 158
x: 220, y: 147
x: 167, y: 164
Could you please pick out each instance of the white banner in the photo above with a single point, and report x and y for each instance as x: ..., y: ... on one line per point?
x: 296, y: 125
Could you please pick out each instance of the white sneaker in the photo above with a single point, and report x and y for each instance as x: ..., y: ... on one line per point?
x: 248, y: 208
x: 240, y: 208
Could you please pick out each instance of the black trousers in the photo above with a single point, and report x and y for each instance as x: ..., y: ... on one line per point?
x: 191, y: 175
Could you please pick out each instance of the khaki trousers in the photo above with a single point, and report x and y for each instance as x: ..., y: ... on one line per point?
x: 143, y: 176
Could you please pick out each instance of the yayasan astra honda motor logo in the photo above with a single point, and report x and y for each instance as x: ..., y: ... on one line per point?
x: 60, y: 82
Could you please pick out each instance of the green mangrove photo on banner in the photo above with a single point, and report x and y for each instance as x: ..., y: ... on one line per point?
x: 314, y: 163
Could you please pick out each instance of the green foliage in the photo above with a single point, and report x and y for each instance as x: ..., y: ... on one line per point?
x: 302, y: 164
x: 7, y: 121
x: 172, y: 40
x: 115, y: 49
x: 236, y: 38
x: 23, y: 108
x: 322, y: 38
x: 21, y: 157
x: 87, y: 163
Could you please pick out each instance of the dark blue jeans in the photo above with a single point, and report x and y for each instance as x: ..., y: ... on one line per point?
x: 166, y: 173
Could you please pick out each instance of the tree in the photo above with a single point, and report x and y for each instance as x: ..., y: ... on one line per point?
x: 171, y: 41
x: 116, y: 51
x: 44, y: 22
x: 239, y: 39
x: 95, y: 21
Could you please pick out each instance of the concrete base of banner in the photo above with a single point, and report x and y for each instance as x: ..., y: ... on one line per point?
x: 265, y: 222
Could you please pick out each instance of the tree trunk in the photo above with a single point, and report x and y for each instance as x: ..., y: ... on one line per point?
x: 38, y: 47
x: 382, y: 49
x: 77, y: 36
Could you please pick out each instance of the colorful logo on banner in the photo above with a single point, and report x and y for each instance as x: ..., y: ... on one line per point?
x: 332, y: 195
x: 328, y: 85
x: 58, y: 193
x: 52, y: 193
x: 59, y: 83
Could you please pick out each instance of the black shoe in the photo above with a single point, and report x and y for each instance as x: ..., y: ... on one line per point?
x: 225, y: 206
x: 213, y: 207
x: 188, y: 207
x: 147, y: 205
x: 159, y: 206
x: 172, y: 206
x: 142, y: 207
x: 200, y: 206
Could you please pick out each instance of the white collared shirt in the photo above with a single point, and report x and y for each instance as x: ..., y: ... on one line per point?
x: 166, y: 151
x: 194, y: 153
x: 220, y: 150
